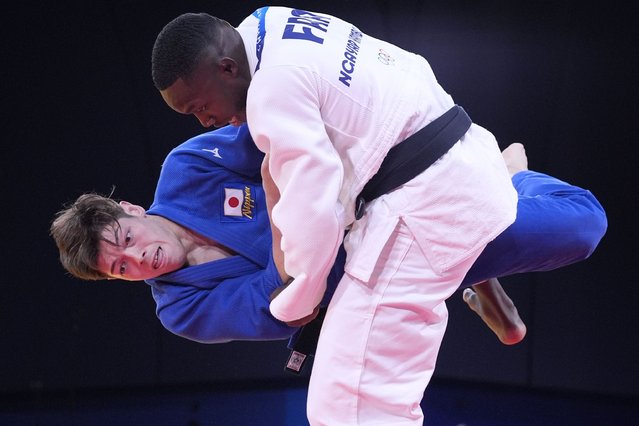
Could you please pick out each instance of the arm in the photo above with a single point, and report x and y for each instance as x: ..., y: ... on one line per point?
x: 235, y: 308
x: 308, y: 172
x: 272, y: 195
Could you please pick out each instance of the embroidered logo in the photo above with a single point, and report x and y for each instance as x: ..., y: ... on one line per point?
x: 239, y: 202
x: 385, y: 58
x: 214, y: 151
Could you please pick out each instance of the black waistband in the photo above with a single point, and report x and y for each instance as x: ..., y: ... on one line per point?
x: 414, y: 155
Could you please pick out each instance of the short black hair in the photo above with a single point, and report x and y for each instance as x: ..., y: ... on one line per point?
x: 178, y: 46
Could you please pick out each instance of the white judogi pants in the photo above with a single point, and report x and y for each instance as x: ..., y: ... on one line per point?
x: 386, y: 321
x: 388, y: 348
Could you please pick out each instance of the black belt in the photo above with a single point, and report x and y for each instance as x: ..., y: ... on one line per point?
x: 402, y: 163
x: 305, y: 344
x: 409, y: 158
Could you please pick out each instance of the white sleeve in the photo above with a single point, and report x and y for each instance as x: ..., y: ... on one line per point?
x: 284, y: 117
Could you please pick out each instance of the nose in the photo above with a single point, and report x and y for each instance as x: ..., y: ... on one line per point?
x: 204, y: 119
x: 135, y: 254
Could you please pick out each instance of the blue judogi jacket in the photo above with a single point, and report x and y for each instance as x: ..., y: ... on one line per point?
x: 211, y: 184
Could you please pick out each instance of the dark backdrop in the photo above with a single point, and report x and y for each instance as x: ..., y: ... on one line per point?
x: 80, y: 114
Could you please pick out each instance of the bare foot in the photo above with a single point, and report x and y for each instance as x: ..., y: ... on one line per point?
x: 497, y: 310
x: 515, y: 158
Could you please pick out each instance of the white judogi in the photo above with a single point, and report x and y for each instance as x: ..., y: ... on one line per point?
x: 327, y: 103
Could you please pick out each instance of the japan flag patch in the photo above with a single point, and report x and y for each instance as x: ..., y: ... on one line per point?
x: 233, y: 201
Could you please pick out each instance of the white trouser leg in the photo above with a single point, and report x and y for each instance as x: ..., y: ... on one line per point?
x: 380, y: 339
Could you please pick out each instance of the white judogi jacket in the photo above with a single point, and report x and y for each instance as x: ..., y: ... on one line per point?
x: 327, y: 102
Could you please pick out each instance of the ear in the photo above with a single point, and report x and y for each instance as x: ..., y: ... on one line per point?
x: 132, y: 209
x: 228, y: 67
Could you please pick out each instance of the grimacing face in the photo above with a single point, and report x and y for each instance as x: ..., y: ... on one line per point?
x: 215, y: 94
x: 140, y: 248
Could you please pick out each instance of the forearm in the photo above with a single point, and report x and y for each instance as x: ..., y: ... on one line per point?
x: 272, y: 195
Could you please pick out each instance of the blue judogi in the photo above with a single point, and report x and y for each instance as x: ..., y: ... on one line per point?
x: 225, y: 299
x: 228, y: 299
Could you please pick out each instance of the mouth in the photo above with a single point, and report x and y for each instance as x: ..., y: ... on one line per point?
x: 157, y: 259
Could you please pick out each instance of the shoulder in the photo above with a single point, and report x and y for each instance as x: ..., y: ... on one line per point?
x: 228, y: 149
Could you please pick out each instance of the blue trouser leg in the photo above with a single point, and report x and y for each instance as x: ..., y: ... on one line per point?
x: 557, y: 224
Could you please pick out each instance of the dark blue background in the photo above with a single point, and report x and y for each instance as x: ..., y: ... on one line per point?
x: 80, y: 113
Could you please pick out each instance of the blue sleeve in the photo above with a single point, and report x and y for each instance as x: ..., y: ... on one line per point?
x: 233, y: 309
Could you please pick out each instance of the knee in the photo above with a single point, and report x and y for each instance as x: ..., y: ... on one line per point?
x: 594, y: 226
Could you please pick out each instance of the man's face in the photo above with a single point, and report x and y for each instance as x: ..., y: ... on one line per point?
x: 141, y: 247
x: 215, y: 94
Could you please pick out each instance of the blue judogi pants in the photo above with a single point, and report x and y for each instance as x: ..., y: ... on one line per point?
x: 557, y: 224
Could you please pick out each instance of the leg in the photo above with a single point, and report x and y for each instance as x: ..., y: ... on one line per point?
x: 546, y: 200
x: 497, y: 310
x: 380, y: 339
x: 488, y: 299
x: 515, y: 158
x: 557, y: 224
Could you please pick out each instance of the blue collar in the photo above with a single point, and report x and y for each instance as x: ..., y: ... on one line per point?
x: 261, y: 33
